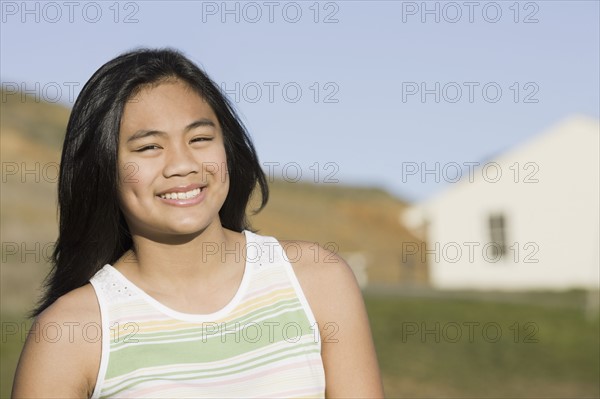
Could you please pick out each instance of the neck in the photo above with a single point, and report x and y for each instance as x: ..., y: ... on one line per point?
x: 185, y: 261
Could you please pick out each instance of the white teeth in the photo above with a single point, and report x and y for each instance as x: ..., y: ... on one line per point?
x: 187, y: 195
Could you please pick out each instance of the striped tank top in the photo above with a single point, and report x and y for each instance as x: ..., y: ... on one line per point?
x: 264, y: 343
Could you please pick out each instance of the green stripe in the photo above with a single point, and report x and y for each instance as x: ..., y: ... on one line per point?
x: 135, y: 356
x: 204, y: 329
x: 140, y: 379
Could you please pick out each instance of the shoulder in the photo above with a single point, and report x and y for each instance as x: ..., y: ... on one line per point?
x: 77, y: 307
x: 78, y: 303
x: 336, y: 300
x: 326, y: 279
x: 62, y: 352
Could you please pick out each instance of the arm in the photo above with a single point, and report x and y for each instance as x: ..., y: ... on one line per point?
x: 58, y: 359
x: 349, y: 359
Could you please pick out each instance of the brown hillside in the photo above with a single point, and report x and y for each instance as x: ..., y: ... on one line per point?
x: 354, y: 219
x: 30, y: 139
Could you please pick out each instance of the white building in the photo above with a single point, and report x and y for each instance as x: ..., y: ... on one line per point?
x: 528, y: 219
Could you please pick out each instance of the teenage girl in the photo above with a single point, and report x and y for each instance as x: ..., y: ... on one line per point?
x: 159, y: 288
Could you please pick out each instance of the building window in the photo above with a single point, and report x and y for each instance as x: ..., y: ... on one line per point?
x: 497, y: 236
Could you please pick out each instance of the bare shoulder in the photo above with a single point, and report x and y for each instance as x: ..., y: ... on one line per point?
x: 325, y: 277
x: 61, y: 355
x: 77, y: 308
x: 336, y: 300
x: 79, y: 303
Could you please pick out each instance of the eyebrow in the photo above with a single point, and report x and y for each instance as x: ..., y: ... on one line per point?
x: 146, y: 133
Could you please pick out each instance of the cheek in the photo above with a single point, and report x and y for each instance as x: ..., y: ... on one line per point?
x: 216, y: 166
x: 132, y: 180
x: 126, y: 193
x: 224, y: 169
x: 129, y: 174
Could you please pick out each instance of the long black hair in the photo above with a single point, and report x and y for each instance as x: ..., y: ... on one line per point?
x: 92, y: 228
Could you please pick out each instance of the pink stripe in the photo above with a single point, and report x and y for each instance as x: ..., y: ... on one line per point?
x: 312, y: 362
x: 268, y: 288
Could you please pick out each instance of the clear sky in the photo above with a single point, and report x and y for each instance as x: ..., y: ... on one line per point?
x: 351, y: 91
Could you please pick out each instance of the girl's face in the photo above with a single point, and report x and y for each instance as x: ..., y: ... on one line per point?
x: 173, y: 176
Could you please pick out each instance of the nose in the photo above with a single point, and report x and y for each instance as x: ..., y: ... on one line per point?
x: 180, y: 161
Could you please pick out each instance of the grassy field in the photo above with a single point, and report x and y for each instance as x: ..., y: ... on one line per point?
x: 486, y: 348
x: 556, y: 355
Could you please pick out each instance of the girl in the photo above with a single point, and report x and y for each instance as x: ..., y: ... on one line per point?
x: 159, y: 287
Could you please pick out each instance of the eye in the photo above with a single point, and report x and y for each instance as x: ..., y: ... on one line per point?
x: 197, y: 139
x: 147, y: 147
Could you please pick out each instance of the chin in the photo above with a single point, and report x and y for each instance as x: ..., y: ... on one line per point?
x: 177, y: 234
x: 188, y: 228
x: 168, y: 231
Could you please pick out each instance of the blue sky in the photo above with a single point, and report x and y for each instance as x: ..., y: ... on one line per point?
x: 334, y: 90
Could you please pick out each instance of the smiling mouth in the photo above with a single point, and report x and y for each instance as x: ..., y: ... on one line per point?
x: 182, y: 196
